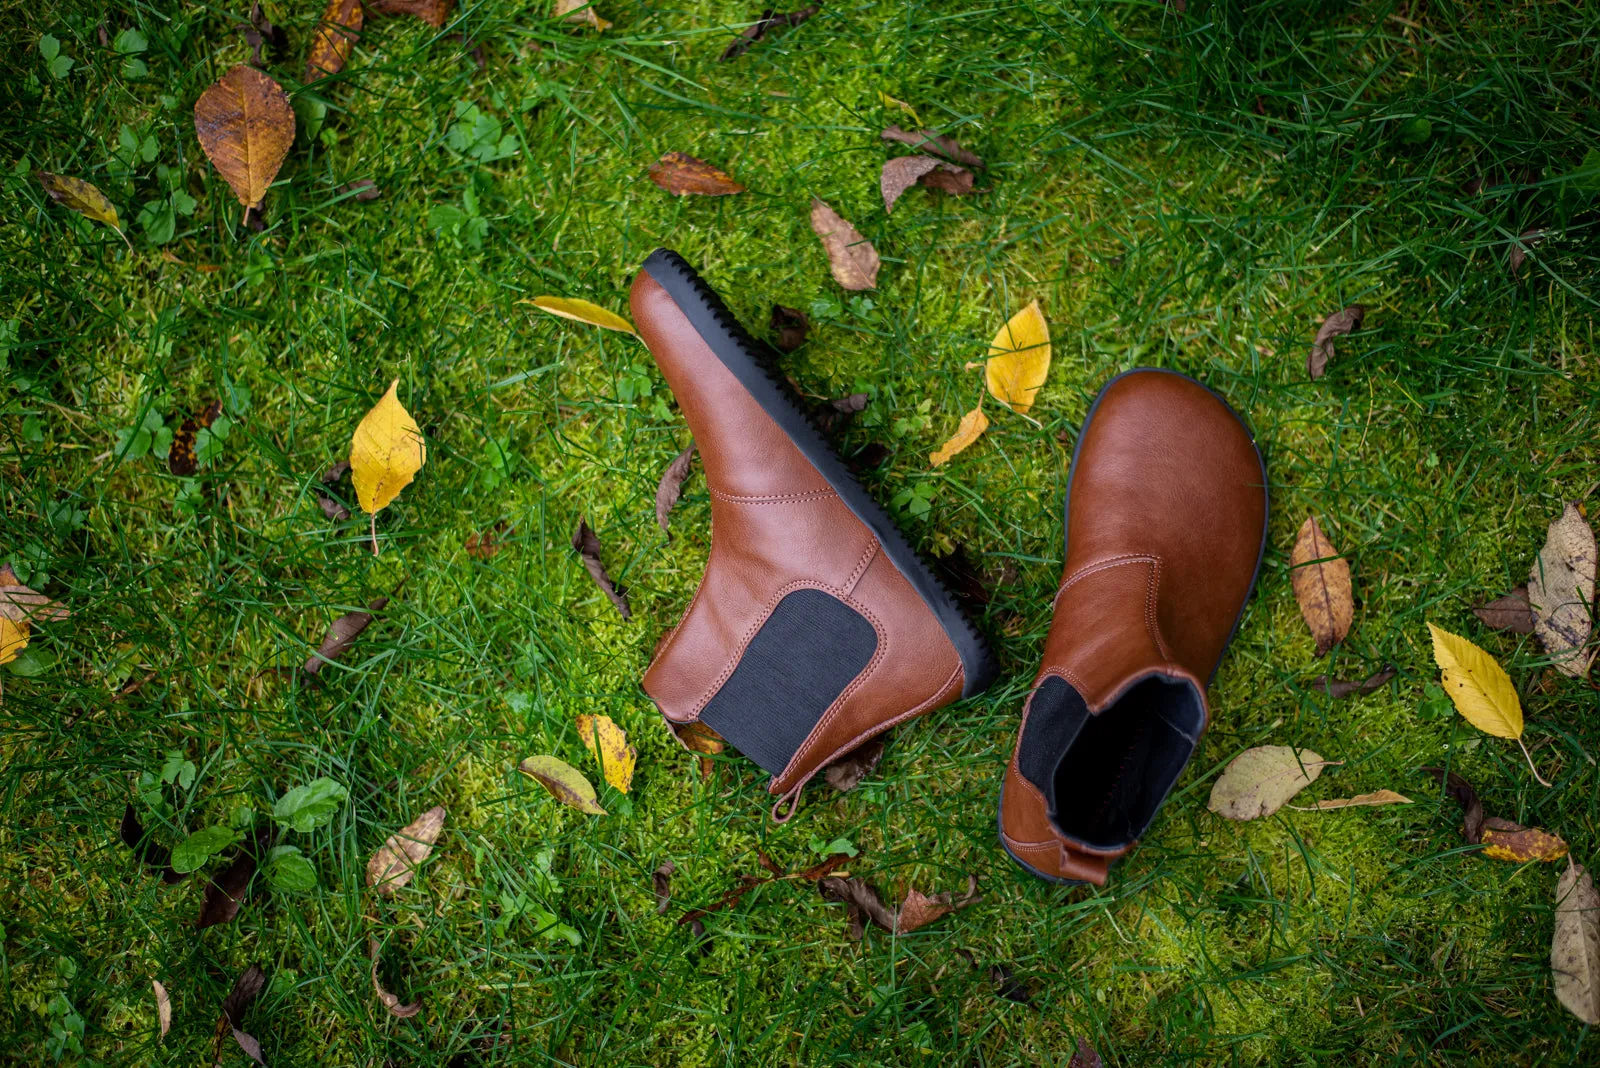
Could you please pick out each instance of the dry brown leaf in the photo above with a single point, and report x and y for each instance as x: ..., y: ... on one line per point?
x: 181, y: 458
x: 1336, y: 325
x: 701, y: 739
x: 918, y: 909
x: 846, y: 773
x: 1377, y: 797
x: 20, y: 604
x: 245, y: 126
x: 365, y: 189
x: 1504, y: 840
x: 670, y: 486
x: 483, y: 545
x: 581, y: 13
x: 342, y: 633
x: 1321, y: 580
x: 225, y: 892
x: 434, y: 12
x: 261, y: 35
x: 937, y: 144
x: 1260, y: 781
x: 331, y: 508
x: 245, y: 989
x: 681, y: 174
x: 1471, y: 807
x: 147, y: 851
x: 969, y: 430
x: 900, y: 174
x: 851, y: 257
x: 1520, y: 247
x: 390, y: 1001
x: 1337, y: 688
x: 863, y: 901
x: 1510, y: 611
x: 769, y: 20
x: 587, y: 544
x: 335, y: 35
x: 1575, y: 948
x: 1085, y: 1056
x: 791, y: 327
x: 395, y: 862
x: 163, y: 1006
x: 948, y: 179
x: 1561, y: 592
x: 661, y: 881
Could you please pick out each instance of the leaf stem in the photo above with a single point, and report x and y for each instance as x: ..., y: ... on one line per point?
x: 374, y: 529
x: 1531, y: 768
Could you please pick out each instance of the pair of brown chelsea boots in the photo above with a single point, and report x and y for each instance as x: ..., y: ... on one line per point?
x: 816, y: 626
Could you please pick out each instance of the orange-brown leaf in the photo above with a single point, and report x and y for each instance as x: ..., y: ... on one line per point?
x: 1504, y: 840
x: 245, y: 126
x: 334, y: 37
x: 970, y: 429
x: 681, y: 174
x: 434, y: 12
x: 1321, y: 580
x: 851, y: 257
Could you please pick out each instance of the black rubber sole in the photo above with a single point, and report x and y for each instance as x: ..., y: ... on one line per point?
x: 1066, y: 504
x: 752, y: 363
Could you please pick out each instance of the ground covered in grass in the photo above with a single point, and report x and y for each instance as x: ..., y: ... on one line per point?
x: 1191, y: 190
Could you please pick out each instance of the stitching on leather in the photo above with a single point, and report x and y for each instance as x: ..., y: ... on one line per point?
x: 1019, y: 844
x: 1152, y: 620
x: 1098, y: 566
x: 672, y: 638
x: 873, y: 548
x: 773, y: 498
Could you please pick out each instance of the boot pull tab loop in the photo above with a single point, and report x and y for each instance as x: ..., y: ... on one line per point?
x: 792, y: 799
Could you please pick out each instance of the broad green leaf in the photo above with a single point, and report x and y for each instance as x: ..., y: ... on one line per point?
x: 310, y: 806
x: 288, y: 869
x: 192, y: 853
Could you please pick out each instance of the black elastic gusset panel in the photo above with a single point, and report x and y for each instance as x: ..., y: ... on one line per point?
x: 810, y: 648
x: 1055, y: 715
x: 1115, y: 774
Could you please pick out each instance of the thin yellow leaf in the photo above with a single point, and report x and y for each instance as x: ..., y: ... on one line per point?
x: 386, y: 452
x: 564, y: 782
x: 1377, y: 797
x: 891, y: 102
x: 1019, y: 359
x: 13, y: 639
x: 1479, y: 687
x: 83, y: 198
x: 970, y: 429
x: 581, y: 311
x: 608, y: 743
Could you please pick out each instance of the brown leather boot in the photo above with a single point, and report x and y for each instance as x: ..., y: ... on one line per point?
x: 815, y: 626
x: 1166, y: 523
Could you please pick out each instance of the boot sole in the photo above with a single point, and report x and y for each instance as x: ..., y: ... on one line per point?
x: 753, y: 364
x: 1261, y: 553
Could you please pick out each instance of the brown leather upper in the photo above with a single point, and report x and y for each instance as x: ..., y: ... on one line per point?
x: 1166, y: 514
x: 777, y: 526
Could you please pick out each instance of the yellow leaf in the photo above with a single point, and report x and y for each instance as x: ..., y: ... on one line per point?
x: 386, y: 452
x: 564, y: 782
x: 13, y: 639
x: 1377, y: 797
x: 971, y: 428
x: 608, y: 744
x: 1019, y: 359
x: 891, y: 102
x: 84, y: 198
x: 1480, y: 688
x: 581, y: 12
x: 581, y: 311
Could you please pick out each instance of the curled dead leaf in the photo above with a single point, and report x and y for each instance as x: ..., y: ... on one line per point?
x: 262, y: 36
x: 1471, y: 807
x: 846, y: 773
x: 587, y: 545
x: 332, y: 508
x: 434, y: 12
x: 245, y: 126
x: 396, y: 861
x: 682, y: 175
x: 969, y: 430
x: 1336, y: 325
x: 936, y: 144
x: 670, y: 487
x: 1510, y: 611
x: 790, y: 325
x: 851, y: 257
x: 341, y: 634
x: 1524, y: 242
x: 163, y: 1006
x: 770, y: 20
x: 1337, y: 688
x: 1377, y: 797
x: 244, y: 992
x: 390, y: 1001
x: 661, y: 882
x: 1321, y: 580
x: 225, y: 892
x: 146, y: 850
x: 365, y: 189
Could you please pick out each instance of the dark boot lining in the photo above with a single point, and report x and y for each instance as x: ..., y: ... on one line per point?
x: 1122, y: 763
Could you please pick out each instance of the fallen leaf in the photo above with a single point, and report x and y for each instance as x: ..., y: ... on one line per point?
x: 681, y: 174
x: 1518, y: 253
x: 1260, y: 781
x: 580, y: 12
x: 948, y: 179
x: 937, y: 144
x: 608, y: 744
x: 969, y: 430
x: 581, y: 311
x: 364, y: 190
x: 587, y: 544
x: 341, y: 635
x: 846, y: 773
x: 244, y: 992
x: 163, y: 1006
x: 963, y: 577
x: 918, y: 909
x: 836, y: 414
x: 769, y: 20
x: 791, y: 326
x: 146, y: 850
x: 1019, y: 359
x: 245, y: 126
x: 181, y: 458
x: 390, y: 1001
x: 82, y: 197
x: 386, y: 452
x: 1321, y: 581
x: 661, y: 881
x: 225, y: 892
x: 1471, y: 807
x: 900, y: 105
x: 434, y: 12
x: 670, y: 486
x: 483, y: 545
x: 564, y: 782
x: 1086, y: 1057
x: 1561, y: 592
x: 900, y: 174
x: 1510, y: 611
x: 1008, y: 986
x: 20, y: 604
x: 396, y: 861
x: 330, y: 507
x: 1575, y: 949
x: 701, y: 739
x: 333, y: 39
x: 1378, y: 797
x: 851, y: 257
x: 261, y: 34
x: 1337, y: 688
x: 863, y: 902
x: 1335, y: 325
x: 1504, y: 840
x: 1478, y: 687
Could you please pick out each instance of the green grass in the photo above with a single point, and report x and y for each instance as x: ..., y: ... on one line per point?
x: 1191, y: 191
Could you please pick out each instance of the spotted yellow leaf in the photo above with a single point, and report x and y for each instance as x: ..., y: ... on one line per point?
x: 581, y: 311
x: 13, y: 639
x: 1019, y: 359
x: 608, y: 743
x: 82, y: 197
x: 970, y: 429
x: 1479, y: 687
x: 564, y: 782
x: 386, y: 452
